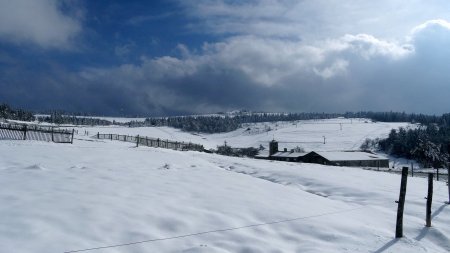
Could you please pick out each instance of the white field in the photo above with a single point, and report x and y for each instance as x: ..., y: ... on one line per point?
x: 307, y: 134
x: 65, y: 198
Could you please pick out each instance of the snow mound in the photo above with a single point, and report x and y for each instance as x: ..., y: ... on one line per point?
x: 79, y: 167
x: 34, y: 167
x: 166, y: 166
x: 203, y: 248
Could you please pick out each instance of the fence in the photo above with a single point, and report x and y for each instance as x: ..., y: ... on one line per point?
x: 440, y: 173
x: 33, y: 132
x: 152, y: 142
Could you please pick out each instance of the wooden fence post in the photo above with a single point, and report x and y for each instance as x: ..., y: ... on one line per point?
x: 71, y: 141
x: 53, y: 139
x: 98, y: 135
x: 401, y: 203
x: 448, y: 182
x: 25, y: 132
x: 412, y: 170
x: 437, y: 174
x: 429, y: 199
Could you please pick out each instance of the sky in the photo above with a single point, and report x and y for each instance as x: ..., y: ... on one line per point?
x: 174, y: 57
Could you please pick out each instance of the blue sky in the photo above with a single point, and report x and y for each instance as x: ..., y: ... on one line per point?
x: 179, y: 57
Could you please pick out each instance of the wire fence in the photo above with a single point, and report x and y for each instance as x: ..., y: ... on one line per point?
x: 33, y: 132
x: 441, y: 174
x: 217, y: 230
x: 152, y: 142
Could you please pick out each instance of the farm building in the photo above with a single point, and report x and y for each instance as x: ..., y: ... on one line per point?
x: 342, y: 158
x: 288, y: 156
x: 275, y: 154
x: 350, y: 158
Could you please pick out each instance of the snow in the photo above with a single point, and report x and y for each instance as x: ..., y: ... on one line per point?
x: 307, y: 134
x: 350, y: 156
x: 95, y: 193
x: 289, y: 154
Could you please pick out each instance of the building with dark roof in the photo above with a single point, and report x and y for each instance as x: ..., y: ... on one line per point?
x: 340, y: 158
x: 347, y: 158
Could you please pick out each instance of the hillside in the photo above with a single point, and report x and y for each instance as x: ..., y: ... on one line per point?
x: 66, y: 198
x: 307, y: 133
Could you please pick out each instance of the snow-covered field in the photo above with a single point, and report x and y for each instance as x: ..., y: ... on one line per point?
x: 94, y: 194
x: 340, y: 134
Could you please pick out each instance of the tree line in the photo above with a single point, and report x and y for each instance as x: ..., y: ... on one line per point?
x: 6, y: 112
x: 225, y: 123
x: 398, y: 117
x: 60, y: 118
x: 428, y: 144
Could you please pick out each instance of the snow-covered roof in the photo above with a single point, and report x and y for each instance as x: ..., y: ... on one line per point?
x: 350, y: 156
x: 288, y: 154
x: 263, y: 154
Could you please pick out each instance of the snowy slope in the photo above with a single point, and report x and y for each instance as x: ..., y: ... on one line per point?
x: 307, y: 134
x: 62, y: 198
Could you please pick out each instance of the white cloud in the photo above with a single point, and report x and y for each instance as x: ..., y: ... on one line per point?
x: 439, y: 23
x: 267, y: 61
x: 313, y: 19
x: 39, y: 22
x: 270, y: 61
x: 337, y: 67
x: 351, y: 72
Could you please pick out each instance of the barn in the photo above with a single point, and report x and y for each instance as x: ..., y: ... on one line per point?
x: 341, y: 158
x: 347, y: 158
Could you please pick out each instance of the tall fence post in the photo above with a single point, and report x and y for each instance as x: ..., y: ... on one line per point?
x: 437, y: 174
x: 429, y: 199
x: 71, y: 141
x: 25, y: 132
x: 53, y: 138
x: 137, y: 141
x: 412, y: 170
x: 401, y: 203
x: 448, y: 182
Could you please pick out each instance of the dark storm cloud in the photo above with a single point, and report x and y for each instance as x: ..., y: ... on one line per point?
x: 256, y: 62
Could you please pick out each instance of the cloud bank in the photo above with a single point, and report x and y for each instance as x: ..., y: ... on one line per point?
x: 40, y: 22
x: 352, y: 72
x: 281, y: 56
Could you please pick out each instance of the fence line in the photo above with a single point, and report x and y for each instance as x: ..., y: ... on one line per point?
x: 152, y: 142
x: 33, y: 132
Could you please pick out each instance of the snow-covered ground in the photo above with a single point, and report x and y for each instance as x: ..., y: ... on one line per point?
x: 340, y: 134
x: 308, y: 134
x: 95, y: 193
